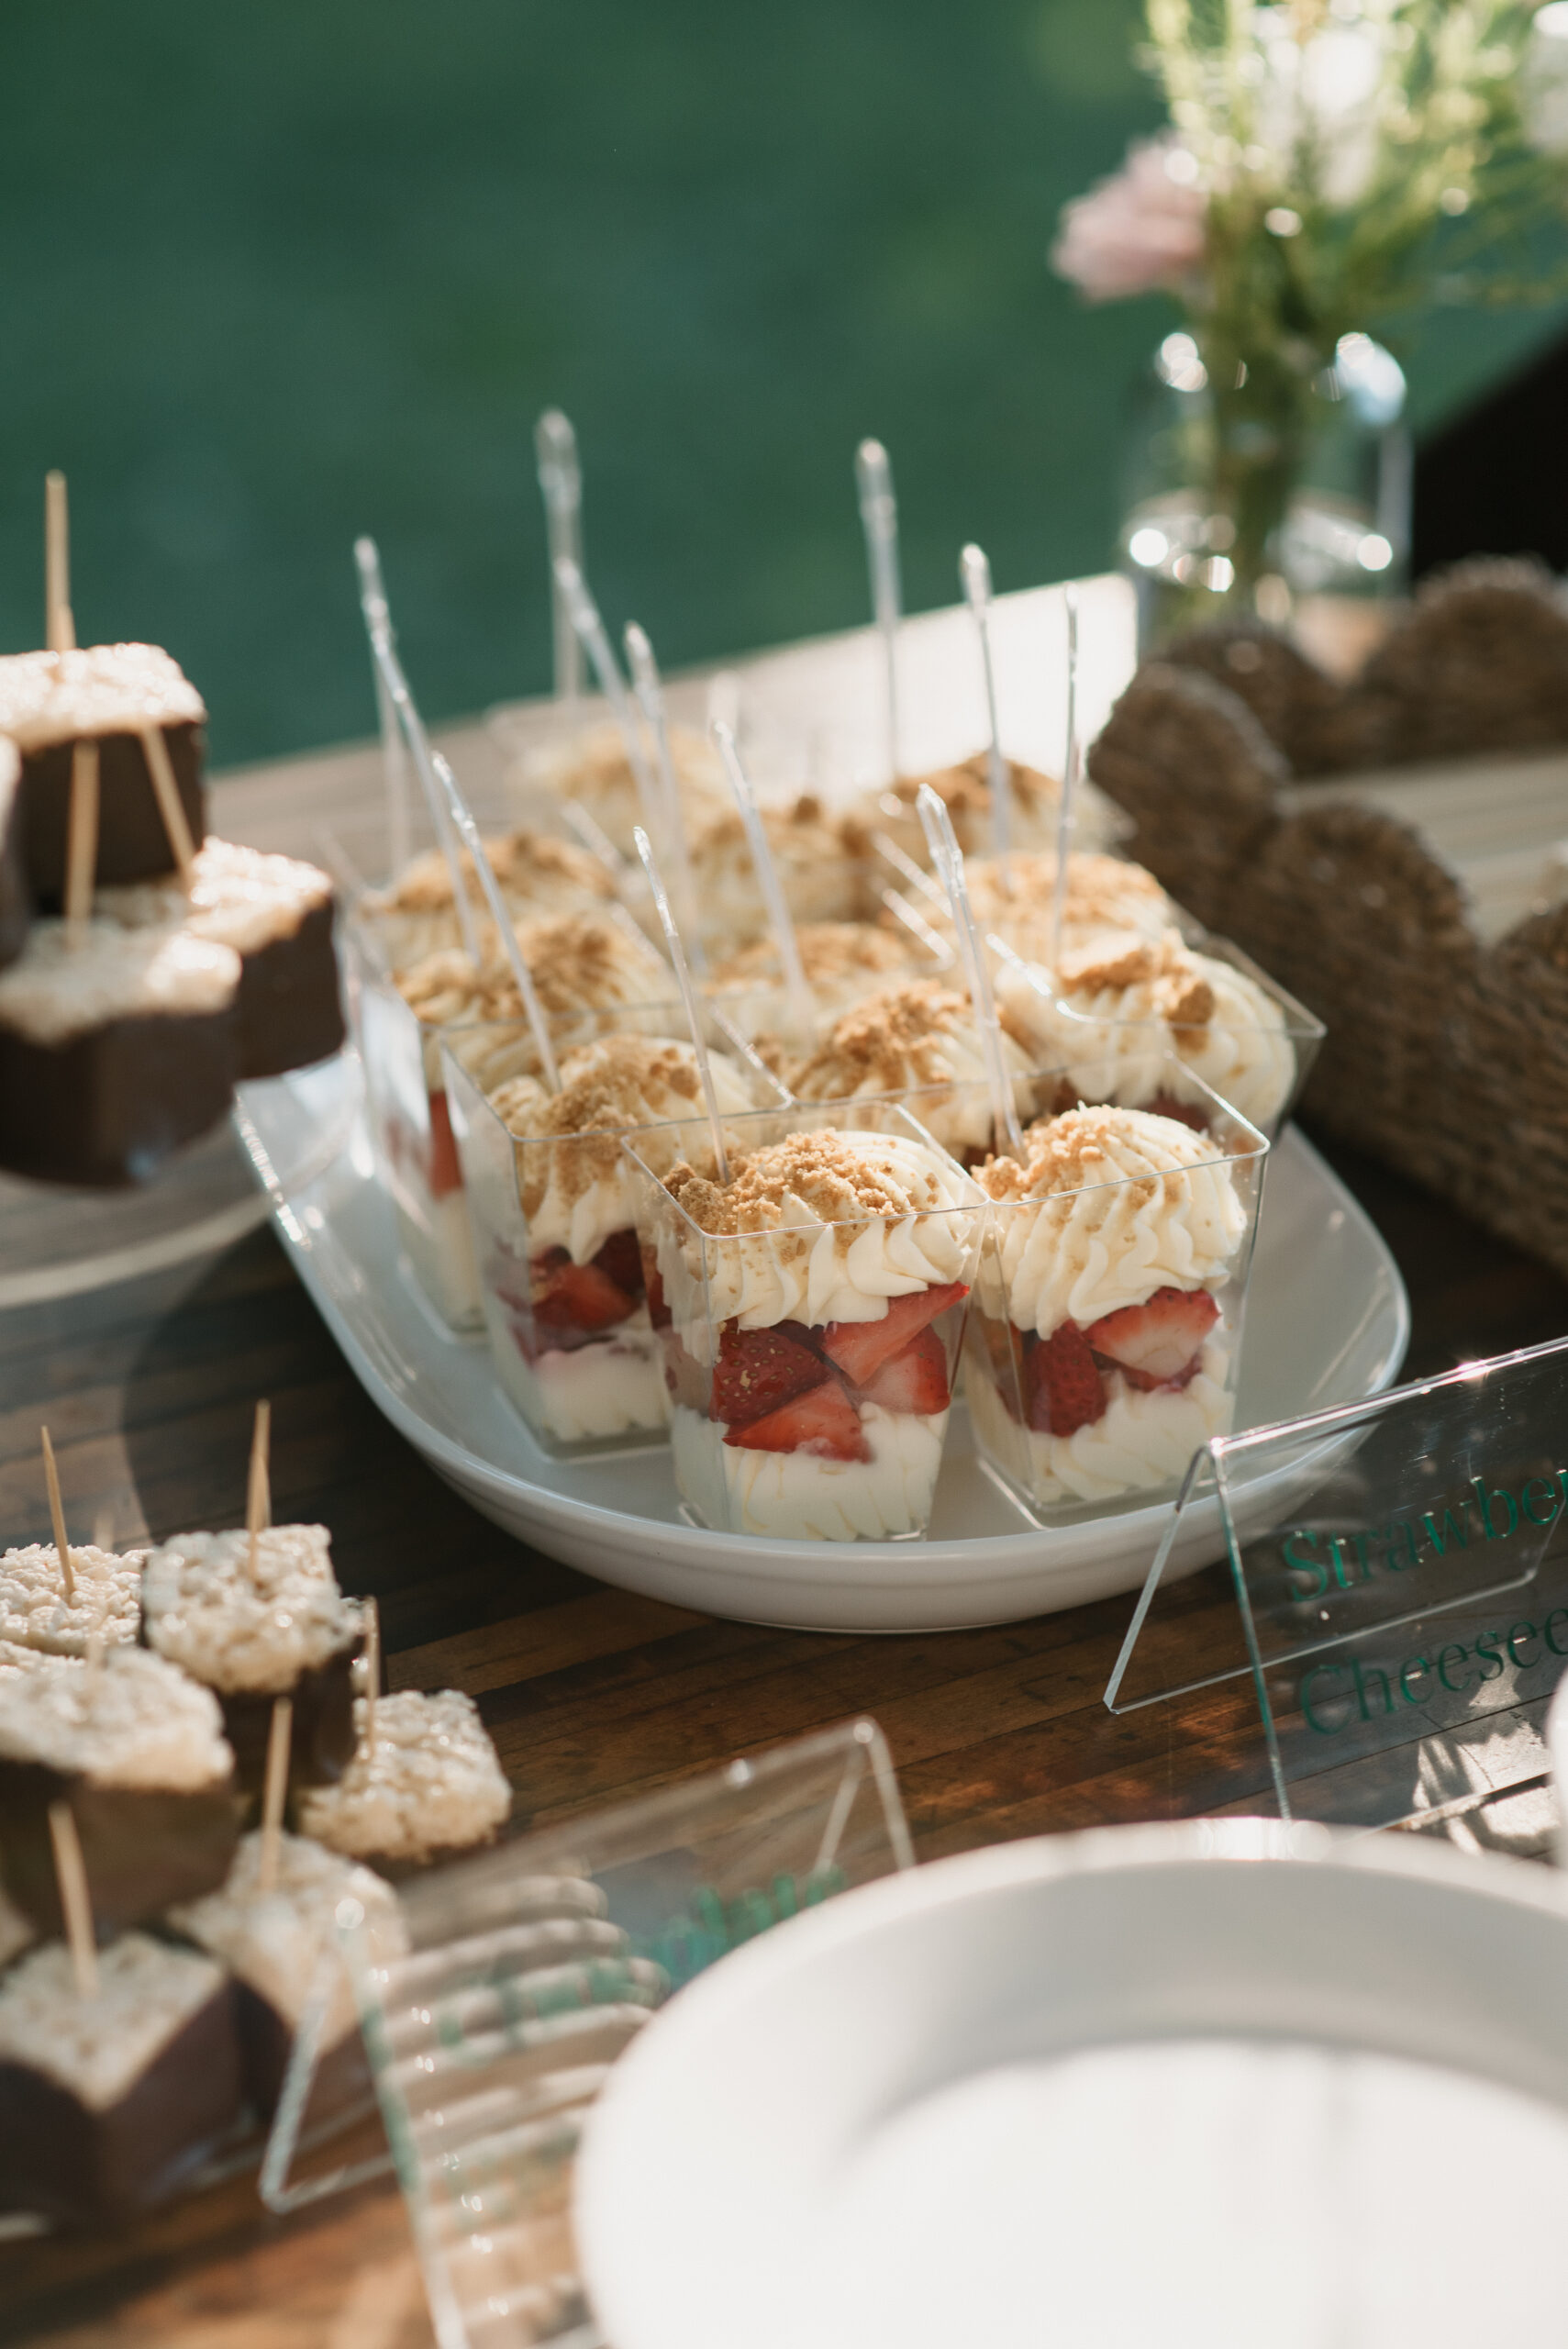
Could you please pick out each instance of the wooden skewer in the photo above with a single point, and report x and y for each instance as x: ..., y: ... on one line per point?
x: 59, y: 626
x: 274, y: 1791
x: 76, y: 1901
x: 81, y: 840
x: 57, y: 1511
x: 170, y: 806
x: 259, y: 1495
x: 373, y: 1669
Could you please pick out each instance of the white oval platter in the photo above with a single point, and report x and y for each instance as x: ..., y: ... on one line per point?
x: 1327, y: 1322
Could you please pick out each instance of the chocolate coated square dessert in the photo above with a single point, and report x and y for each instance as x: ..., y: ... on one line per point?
x: 16, y: 890
x: 137, y: 1752
x: 107, y: 2103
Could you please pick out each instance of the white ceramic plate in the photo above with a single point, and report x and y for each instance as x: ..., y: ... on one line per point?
x: 1327, y: 1322
x: 1212, y: 2083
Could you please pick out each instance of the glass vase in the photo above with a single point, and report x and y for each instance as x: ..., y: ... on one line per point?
x: 1254, y: 486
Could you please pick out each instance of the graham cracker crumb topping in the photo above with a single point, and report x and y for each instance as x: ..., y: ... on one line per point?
x: 822, y: 1173
x: 891, y: 1038
x: 1084, y: 1147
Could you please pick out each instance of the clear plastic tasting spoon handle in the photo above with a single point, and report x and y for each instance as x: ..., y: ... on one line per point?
x: 879, y: 519
x: 590, y: 629
x: 947, y: 859
x: 688, y: 998
x: 1069, y: 790
x: 974, y: 574
x: 779, y: 921
x: 468, y: 832
x: 648, y: 688
x: 561, y: 482
x: 390, y: 670
x: 393, y: 755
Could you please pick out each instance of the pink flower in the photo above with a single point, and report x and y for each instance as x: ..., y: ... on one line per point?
x: 1141, y: 230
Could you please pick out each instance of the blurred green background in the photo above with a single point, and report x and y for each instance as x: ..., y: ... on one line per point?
x: 276, y: 274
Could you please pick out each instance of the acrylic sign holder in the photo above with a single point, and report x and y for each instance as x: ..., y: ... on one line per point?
x: 1400, y: 1571
x: 495, y: 2002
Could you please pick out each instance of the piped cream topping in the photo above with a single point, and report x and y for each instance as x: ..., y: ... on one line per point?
x: 102, y: 689
x: 35, y: 1612
x: 204, y: 1610
x: 97, y: 2049
x: 577, y: 962
x: 537, y: 874
x: 274, y: 1941
x: 592, y: 769
x: 1108, y: 1205
x: 238, y: 897
x: 133, y: 1722
x: 430, y: 1783
x: 58, y: 988
x: 831, y: 954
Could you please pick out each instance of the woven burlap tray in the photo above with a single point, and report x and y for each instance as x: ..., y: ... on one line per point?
x: 1446, y: 1056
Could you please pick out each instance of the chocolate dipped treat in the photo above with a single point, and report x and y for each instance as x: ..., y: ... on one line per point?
x: 111, y: 694
x: 277, y: 914
x: 36, y: 1615
x: 284, y: 1631
x: 275, y: 1942
x: 16, y: 892
x: 137, y: 1752
x: 428, y: 1787
x: 107, y: 2102
x: 115, y: 1047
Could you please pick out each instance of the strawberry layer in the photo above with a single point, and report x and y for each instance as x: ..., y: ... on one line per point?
x: 614, y: 1386
x: 796, y: 1497
x: 1144, y: 1440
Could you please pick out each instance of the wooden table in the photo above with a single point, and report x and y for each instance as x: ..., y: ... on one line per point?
x: 590, y: 1693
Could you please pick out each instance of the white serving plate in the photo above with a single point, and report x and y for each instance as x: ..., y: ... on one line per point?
x: 1327, y: 1322
x: 1205, y: 2085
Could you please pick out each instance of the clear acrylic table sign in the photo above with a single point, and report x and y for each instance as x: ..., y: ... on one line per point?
x: 496, y: 1999
x: 1400, y: 1577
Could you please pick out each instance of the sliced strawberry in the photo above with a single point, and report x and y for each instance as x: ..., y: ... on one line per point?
x: 859, y: 1348
x: 916, y: 1380
x: 1155, y: 1342
x: 575, y: 1298
x: 823, y: 1422
x: 1062, y: 1387
x: 444, y: 1172
x: 757, y: 1370
x: 1186, y: 1113
x: 620, y: 1260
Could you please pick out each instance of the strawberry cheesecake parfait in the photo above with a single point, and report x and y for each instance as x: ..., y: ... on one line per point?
x: 552, y: 1208
x: 1105, y: 1332
x: 810, y: 1307
x: 1149, y: 1020
x: 579, y: 962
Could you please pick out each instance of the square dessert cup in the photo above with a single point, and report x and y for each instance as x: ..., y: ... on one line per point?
x: 574, y: 1350
x: 826, y: 1423
x: 1257, y: 1064
x: 1104, y: 1407
x: 761, y: 1007
x: 411, y: 1123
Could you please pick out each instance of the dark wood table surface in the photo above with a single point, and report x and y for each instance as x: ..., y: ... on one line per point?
x: 590, y: 1693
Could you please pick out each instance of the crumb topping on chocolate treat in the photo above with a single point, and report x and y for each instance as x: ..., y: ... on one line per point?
x: 238, y: 897
x: 202, y: 1609
x: 816, y: 1177
x: 58, y: 989
x: 133, y: 1720
x: 273, y: 1941
x: 830, y: 951
x: 36, y: 1613
x: 430, y: 1783
x: 97, y: 2049
x: 1085, y: 1147
x: 102, y: 689
x: 577, y: 962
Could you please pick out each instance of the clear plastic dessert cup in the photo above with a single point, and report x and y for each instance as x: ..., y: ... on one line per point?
x: 1214, y: 1017
x: 1105, y: 1336
x: 410, y: 1119
x: 809, y: 1351
x: 552, y: 1214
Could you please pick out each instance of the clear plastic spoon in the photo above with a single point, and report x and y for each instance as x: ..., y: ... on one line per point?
x: 688, y: 996
x: 946, y: 858
x: 649, y: 690
x: 394, y: 757
x: 560, y: 481
x: 974, y: 574
x: 773, y: 898
x: 1069, y: 787
x: 879, y: 519
x: 468, y: 832
x: 384, y: 651
x: 590, y: 630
